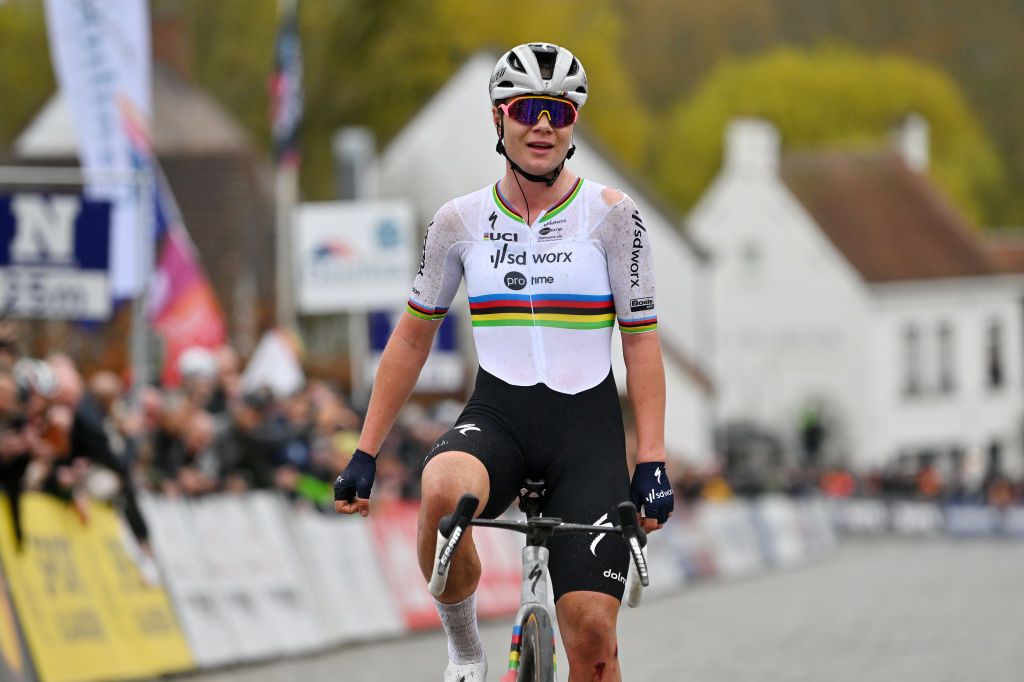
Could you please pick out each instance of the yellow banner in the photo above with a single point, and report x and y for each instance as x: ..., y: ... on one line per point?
x: 86, y: 611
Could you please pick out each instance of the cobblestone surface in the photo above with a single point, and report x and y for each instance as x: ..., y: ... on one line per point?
x: 885, y: 611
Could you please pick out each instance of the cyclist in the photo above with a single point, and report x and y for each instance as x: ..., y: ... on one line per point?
x: 550, y: 261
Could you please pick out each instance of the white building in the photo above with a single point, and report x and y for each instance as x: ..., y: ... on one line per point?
x: 847, y: 281
x: 447, y: 150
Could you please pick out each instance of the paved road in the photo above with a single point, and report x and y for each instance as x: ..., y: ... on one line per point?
x: 885, y: 611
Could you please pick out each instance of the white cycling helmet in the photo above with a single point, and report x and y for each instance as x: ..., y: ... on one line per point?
x: 539, y: 69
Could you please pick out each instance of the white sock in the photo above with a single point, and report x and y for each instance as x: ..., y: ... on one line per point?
x: 459, y: 621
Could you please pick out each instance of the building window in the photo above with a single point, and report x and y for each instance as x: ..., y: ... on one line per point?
x: 912, y: 361
x: 994, y: 370
x: 947, y: 372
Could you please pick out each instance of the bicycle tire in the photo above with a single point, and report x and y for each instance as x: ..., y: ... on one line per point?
x: 536, y: 647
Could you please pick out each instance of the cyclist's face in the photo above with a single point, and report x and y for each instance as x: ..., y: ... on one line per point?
x: 537, y: 148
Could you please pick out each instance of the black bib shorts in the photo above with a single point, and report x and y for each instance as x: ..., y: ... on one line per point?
x: 576, y: 443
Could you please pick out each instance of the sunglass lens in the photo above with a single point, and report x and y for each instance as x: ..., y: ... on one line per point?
x: 529, y: 109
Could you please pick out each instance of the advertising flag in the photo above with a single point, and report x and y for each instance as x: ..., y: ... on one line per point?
x: 286, y: 86
x: 183, y: 307
x: 102, y: 58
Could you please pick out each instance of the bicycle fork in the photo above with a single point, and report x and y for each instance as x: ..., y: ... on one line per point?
x: 533, y: 594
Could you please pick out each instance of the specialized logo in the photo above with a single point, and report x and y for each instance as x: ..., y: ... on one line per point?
x: 502, y: 256
x: 516, y: 281
x: 615, y: 576
x: 638, y: 304
x: 603, y: 521
x: 423, y: 254
x: 657, y: 475
x: 638, y: 247
x: 535, y: 574
x: 465, y: 428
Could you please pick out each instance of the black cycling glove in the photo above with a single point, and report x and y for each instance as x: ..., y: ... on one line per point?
x: 651, y: 492
x: 357, y: 478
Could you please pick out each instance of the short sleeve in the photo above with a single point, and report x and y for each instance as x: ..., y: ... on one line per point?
x: 440, y: 269
x: 630, y: 267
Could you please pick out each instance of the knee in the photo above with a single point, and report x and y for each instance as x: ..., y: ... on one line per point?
x: 447, y: 478
x: 590, y: 641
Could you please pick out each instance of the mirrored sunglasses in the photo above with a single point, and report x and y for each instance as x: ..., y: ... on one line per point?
x: 528, y: 110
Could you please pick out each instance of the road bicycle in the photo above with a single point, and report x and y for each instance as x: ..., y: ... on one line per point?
x: 532, y: 654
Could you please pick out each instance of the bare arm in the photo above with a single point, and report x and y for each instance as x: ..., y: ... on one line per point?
x: 645, y: 384
x: 400, y: 367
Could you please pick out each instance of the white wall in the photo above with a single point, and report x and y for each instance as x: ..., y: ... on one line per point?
x: 789, y: 311
x: 973, y: 414
x: 795, y: 322
x: 448, y: 150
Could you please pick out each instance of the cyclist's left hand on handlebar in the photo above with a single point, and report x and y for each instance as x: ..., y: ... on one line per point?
x: 352, y: 489
x: 651, y: 493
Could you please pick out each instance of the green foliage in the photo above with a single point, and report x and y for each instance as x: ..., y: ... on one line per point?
x: 828, y: 97
x: 26, y: 79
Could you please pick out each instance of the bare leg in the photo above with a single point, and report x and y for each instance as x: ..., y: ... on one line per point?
x: 586, y: 621
x: 446, y: 478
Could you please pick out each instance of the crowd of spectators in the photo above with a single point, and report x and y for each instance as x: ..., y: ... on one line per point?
x: 88, y: 437
x: 81, y: 437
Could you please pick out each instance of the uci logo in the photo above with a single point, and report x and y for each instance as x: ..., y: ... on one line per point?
x: 515, y: 280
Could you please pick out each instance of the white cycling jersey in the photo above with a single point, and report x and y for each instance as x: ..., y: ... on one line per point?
x: 543, y: 298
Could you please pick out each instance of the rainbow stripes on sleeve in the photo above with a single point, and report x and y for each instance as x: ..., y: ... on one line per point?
x: 566, y: 311
x: 645, y: 324
x: 425, y: 313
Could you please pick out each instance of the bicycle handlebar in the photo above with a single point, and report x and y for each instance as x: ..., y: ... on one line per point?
x: 452, y: 527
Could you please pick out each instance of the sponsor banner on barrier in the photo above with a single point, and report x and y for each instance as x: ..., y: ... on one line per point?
x: 87, y: 613
x: 276, y: 573
x: 342, y: 566
x: 780, y: 530
x: 734, y: 541
x: 690, y: 544
x: 190, y: 581
x: 861, y: 516
x: 501, y: 559
x: 916, y: 518
x: 816, y: 519
x: 667, y: 571
x: 1013, y: 522
x: 232, y: 545
x: 394, y: 530
x: 973, y: 520
x: 15, y: 665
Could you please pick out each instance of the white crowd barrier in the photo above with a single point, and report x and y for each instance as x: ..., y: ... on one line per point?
x: 251, y: 577
x: 917, y: 519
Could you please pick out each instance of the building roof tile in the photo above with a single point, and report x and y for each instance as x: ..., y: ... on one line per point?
x: 890, y: 223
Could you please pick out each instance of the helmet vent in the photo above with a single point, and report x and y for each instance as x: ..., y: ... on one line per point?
x: 514, y: 63
x: 506, y: 84
x: 546, y: 62
x: 573, y: 68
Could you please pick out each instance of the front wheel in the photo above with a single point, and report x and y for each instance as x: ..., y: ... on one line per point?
x: 536, y: 647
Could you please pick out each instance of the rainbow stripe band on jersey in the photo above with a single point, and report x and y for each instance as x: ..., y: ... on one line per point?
x: 425, y: 313
x: 562, y: 204
x: 634, y: 326
x: 566, y: 311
